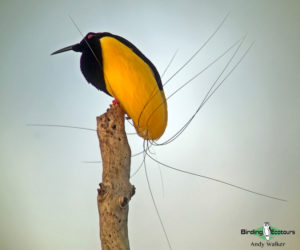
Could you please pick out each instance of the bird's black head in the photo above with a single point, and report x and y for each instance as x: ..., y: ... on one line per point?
x: 91, y: 59
x: 86, y: 44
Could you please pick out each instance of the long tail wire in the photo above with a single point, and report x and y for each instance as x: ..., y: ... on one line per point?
x: 208, y: 94
x: 152, y: 197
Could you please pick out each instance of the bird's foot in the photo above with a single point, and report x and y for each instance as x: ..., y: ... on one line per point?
x: 115, y: 101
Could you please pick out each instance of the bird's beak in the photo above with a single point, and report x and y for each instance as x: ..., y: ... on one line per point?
x: 72, y: 47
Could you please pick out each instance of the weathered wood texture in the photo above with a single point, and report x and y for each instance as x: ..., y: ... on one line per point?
x: 115, y: 190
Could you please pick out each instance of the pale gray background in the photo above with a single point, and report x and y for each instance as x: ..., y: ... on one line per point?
x: 248, y: 133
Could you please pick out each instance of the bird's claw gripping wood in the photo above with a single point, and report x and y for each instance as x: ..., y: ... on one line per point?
x: 115, y: 190
x: 115, y: 101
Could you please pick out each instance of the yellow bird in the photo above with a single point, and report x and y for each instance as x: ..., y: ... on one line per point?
x: 115, y: 66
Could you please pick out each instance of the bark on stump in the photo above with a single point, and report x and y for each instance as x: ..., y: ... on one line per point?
x: 115, y: 190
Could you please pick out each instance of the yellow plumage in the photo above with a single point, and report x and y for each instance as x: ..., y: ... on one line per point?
x: 131, y: 81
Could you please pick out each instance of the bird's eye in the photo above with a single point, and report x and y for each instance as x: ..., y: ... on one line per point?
x: 90, y: 36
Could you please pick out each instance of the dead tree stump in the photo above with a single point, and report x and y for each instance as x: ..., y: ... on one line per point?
x: 115, y: 190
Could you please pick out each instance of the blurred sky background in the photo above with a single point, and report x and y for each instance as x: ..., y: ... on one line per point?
x: 247, y: 134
